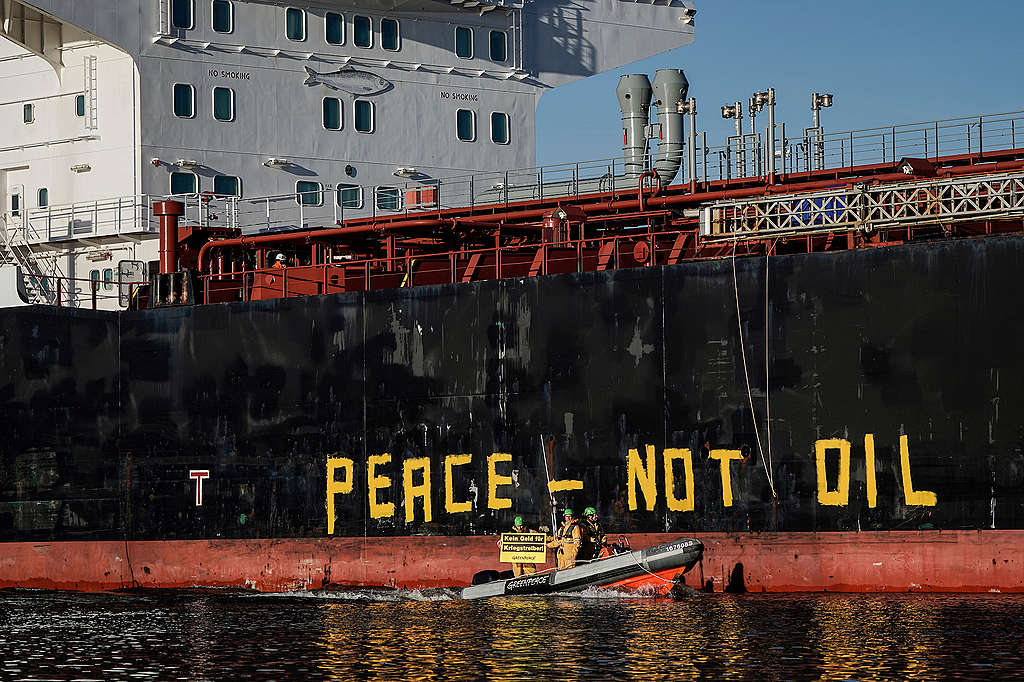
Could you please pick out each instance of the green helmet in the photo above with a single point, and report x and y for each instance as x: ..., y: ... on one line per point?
x: 517, y: 521
x: 567, y: 512
x: 589, y: 510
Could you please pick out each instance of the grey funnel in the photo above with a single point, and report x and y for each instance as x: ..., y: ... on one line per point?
x: 634, y: 93
x: 670, y: 88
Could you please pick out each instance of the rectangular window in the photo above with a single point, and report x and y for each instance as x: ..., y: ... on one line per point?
x: 94, y: 276
x: 465, y: 125
x: 463, y: 42
x: 15, y: 205
x: 308, y: 193
x: 350, y: 196
x: 362, y: 31
x: 389, y: 37
x: 80, y: 106
x: 499, y: 128
x: 43, y: 197
x: 295, y: 24
x: 499, y: 46
x: 184, y: 183
x: 334, y: 28
x: 224, y: 104
x: 332, y: 113
x: 181, y: 13
x: 227, y: 186
x: 223, y: 16
x: 364, y: 116
x: 28, y: 113
x: 389, y: 198
x: 184, y: 100
x: 108, y: 279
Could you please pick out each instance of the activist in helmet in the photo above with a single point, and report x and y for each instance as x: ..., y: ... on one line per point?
x: 567, y: 540
x: 593, y: 537
x: 519, y: 526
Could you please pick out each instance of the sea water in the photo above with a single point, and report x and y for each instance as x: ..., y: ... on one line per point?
x: 429, y: 635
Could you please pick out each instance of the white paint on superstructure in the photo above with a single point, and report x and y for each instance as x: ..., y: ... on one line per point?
x: 104, y: 138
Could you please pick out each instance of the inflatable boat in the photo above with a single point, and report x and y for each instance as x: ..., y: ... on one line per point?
x: 654, y: 570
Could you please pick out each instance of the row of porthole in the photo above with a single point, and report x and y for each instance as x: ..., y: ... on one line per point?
x: 28, y: 110
x: 42, y: 201
x: 307, y: 193
x: 465, y: 126
x: 223, y: 105
x: 222, y: 20
x: 107, y: 281
x: 465, y: 120
x: 332, y: 118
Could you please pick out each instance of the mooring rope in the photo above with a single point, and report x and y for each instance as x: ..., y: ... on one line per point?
x: 646, y: 570
x: 767, y: 359
x: 746, y: 375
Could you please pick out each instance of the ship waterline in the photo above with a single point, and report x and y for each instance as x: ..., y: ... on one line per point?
x: 868, y: 561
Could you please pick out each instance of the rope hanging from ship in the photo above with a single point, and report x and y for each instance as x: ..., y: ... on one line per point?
x: 746, y: 374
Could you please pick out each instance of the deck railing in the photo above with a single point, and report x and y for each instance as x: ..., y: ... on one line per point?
x: 635, y: 249
x: 811, y: 150
x: 330, y: 204
x: 82, y: 220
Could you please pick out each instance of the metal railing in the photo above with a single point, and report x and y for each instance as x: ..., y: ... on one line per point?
x: 82, y: 220
x: 332, y: 204
x: 919, y: 203
x: 741, y: 157
x: 78, y: 292
x: 25, y: 234
x: 642, y: 248
x: 818, y: 150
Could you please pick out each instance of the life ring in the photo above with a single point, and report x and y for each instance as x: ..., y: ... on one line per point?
x: 641, y: 252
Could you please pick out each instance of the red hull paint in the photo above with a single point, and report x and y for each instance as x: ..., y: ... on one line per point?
x: 928, y: 561
x: 652, y: 584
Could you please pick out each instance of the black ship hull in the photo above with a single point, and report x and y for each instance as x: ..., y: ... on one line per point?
x: 795, y: 400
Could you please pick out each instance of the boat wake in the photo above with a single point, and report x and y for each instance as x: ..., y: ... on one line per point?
x: 363, y: 595
x: 366, y: 595
x: 599, y: 593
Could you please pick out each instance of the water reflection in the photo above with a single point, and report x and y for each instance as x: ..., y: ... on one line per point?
x: 391, y: 635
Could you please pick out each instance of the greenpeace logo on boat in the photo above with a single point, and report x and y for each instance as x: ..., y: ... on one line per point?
x: 533, y: 583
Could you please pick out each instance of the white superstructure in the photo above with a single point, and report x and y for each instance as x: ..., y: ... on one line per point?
x: 105, y: 105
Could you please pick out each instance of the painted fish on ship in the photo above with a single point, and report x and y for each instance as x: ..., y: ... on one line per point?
x: 349, y: 80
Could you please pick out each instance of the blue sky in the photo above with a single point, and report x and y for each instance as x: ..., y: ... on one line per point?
x: 886, y: 62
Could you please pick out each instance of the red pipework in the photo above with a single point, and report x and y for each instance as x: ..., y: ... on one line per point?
x: 320, y: 235
x: 640, y: 186
x: 168, y: 212
x: 595, y: 208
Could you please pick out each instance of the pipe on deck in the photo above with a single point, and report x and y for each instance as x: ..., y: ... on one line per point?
x: 168, y: 212
x: 594, y: 208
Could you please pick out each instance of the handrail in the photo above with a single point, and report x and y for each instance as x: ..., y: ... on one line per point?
x: 93, y: 290
x: 100, y: 217
x: 399, y: 271
x: 815, y: 149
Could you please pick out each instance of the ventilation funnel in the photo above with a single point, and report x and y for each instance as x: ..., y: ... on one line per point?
x: 634, y: 93
x: 670, y: 88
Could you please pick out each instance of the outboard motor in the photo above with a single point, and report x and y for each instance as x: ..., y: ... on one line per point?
x: 634, y: 93
x: 670, y: 88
